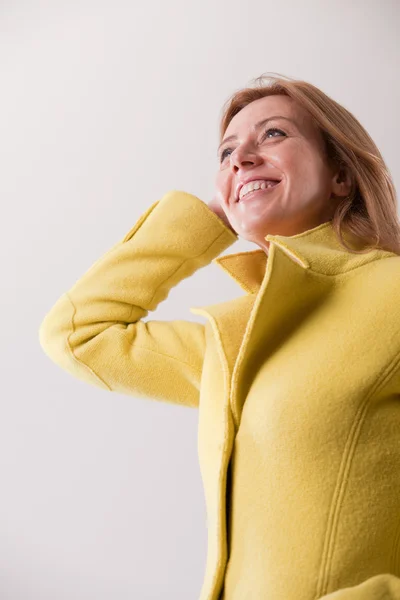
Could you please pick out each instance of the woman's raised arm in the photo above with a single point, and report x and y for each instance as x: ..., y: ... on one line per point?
x: 95, y: 329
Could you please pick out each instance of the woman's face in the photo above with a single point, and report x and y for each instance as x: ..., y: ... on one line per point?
x: 289, y: 148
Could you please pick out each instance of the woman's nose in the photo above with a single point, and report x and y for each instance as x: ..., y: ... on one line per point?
x: 241, y: 157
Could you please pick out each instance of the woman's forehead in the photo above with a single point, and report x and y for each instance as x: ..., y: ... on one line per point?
x: 267, y: 107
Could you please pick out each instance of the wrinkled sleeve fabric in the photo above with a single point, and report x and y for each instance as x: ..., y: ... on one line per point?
x: 95, y: 330
x: 380, y: 587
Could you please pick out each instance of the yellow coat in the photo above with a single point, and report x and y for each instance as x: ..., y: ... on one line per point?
x: 297, y: 382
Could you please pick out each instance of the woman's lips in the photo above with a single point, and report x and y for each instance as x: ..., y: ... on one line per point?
x: 266, y: 190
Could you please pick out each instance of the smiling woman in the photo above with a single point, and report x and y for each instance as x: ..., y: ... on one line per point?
x: 297, y: 379
x: 328, y: 167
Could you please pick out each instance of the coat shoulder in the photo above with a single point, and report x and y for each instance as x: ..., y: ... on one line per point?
x: 383, y: 291
x: 387, y: 270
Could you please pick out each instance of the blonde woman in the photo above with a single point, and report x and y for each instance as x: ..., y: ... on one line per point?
x: 297, y: 380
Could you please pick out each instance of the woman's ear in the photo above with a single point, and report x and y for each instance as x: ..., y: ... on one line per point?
x: 341, y: 182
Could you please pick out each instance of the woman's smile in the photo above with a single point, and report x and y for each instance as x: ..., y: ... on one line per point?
x: 253, y: 194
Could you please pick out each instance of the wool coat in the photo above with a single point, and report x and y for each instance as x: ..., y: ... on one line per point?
x: 297, y: 383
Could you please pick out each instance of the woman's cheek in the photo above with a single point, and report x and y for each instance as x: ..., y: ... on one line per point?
x: 222, y: 187
x: 227, y: 188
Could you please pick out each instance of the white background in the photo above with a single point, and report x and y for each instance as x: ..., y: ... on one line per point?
x: 104, y: 107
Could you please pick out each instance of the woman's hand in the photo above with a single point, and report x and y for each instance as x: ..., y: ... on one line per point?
x: 216, y: 207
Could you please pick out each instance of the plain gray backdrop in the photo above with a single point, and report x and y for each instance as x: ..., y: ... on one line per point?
x: 105, y: 107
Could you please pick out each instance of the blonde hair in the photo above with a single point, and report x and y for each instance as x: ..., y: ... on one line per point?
x: 370, y: 210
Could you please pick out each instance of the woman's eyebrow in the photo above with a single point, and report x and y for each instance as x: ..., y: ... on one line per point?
x: 256, y: 126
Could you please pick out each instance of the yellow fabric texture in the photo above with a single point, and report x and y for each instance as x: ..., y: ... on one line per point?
x: 297, y: 382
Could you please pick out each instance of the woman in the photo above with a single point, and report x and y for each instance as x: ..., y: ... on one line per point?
x: 297, y: 381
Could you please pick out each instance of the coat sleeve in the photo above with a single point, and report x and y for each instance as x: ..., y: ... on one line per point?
x: 380, y: 587
x: 95, y: 330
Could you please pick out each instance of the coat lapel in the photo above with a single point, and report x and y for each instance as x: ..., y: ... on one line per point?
x: 278, y: 295
x: 316, y: 248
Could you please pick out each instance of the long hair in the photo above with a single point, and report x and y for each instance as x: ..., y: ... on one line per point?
x: 370, y: 210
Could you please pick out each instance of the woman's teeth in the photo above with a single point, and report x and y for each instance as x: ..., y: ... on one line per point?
x: 256, y: 185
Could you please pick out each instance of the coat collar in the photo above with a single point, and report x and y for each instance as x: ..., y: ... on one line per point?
x: 317, y: 249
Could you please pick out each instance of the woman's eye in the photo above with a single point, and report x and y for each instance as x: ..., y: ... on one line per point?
x: 224, y: 152
x: 272, y: 129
